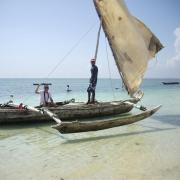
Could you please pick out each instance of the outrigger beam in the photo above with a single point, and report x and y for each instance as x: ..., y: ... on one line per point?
x: 43, y: 110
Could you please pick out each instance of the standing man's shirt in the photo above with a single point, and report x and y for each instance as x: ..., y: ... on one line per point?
x: 94, y: 74
x: 45, y: 97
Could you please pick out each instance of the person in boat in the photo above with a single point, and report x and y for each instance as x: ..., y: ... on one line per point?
x: 45, y: 96
x: 93, y: 81
x: 68, y: 88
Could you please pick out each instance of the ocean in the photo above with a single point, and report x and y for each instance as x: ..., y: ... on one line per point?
x: 149, y: 149
x: 23, y: 90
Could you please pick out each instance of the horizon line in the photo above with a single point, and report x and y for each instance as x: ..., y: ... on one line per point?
x: 83, y: 78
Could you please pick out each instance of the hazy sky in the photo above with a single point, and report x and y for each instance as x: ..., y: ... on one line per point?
x: 36, y: 34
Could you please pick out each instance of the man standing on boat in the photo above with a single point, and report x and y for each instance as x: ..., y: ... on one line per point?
x: 45, y: 96
x: 93, y: 81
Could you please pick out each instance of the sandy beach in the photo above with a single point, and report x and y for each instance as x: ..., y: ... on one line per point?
x: 146, y: 150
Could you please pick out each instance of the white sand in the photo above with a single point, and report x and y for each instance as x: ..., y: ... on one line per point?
x: 146, y: 150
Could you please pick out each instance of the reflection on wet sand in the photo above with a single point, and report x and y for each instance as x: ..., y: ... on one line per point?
x: 114, y: 136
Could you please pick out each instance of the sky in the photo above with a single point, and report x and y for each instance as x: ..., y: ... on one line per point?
x: 35, y: 35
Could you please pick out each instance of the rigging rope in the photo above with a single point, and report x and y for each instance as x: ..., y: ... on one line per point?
x: 67, y: 54
x: 110, y: 76
x: 70, y: 51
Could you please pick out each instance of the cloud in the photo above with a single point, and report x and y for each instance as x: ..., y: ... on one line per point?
x: 169, y: 68
x: 174, y: 62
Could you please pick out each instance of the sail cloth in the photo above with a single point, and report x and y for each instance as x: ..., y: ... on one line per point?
x: 131, y: 42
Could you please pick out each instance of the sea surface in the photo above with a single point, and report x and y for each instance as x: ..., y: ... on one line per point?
x: 149, y: 149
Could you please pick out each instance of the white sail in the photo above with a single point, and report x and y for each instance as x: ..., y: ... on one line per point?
x: 132, y: 43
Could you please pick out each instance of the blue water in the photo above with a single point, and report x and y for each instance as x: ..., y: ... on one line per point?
x: 155, y: 91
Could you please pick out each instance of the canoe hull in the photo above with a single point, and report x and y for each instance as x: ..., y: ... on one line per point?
x: 66, y: 112
x: 85, y: 126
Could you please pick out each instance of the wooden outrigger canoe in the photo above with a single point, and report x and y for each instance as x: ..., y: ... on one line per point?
x: 67, y: 112
x: 85, y: 126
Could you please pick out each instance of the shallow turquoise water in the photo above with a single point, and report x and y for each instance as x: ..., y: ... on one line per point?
x: 149, y: 149
x: 23, y: 90
x: 155, y: 92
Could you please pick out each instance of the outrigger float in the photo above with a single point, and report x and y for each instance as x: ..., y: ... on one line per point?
x: 85, y: 126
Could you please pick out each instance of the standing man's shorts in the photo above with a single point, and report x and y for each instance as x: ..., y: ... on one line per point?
x: 91, y: 88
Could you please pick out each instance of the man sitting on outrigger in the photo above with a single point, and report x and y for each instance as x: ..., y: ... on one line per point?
x: 93, y: 81
x: 45, y: 96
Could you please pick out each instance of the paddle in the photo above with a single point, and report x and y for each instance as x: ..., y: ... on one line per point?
x: 43, y: 84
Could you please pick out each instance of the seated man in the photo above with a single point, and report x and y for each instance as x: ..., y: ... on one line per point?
x: 45, y: 96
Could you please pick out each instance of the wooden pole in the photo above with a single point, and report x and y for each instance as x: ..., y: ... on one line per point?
x: 43, y: 111
x: 97, y: 44
x: 43, y: 84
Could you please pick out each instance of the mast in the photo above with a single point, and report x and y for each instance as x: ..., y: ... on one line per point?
x: 98, y: 38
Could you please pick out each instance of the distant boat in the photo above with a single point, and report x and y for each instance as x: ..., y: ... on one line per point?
x: 171, y: 83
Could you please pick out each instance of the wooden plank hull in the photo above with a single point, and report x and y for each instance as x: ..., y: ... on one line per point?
x: 85, y: 126
x: 66, y: 112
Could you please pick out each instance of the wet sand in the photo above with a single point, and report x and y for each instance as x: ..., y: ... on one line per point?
x: 148, y: 150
